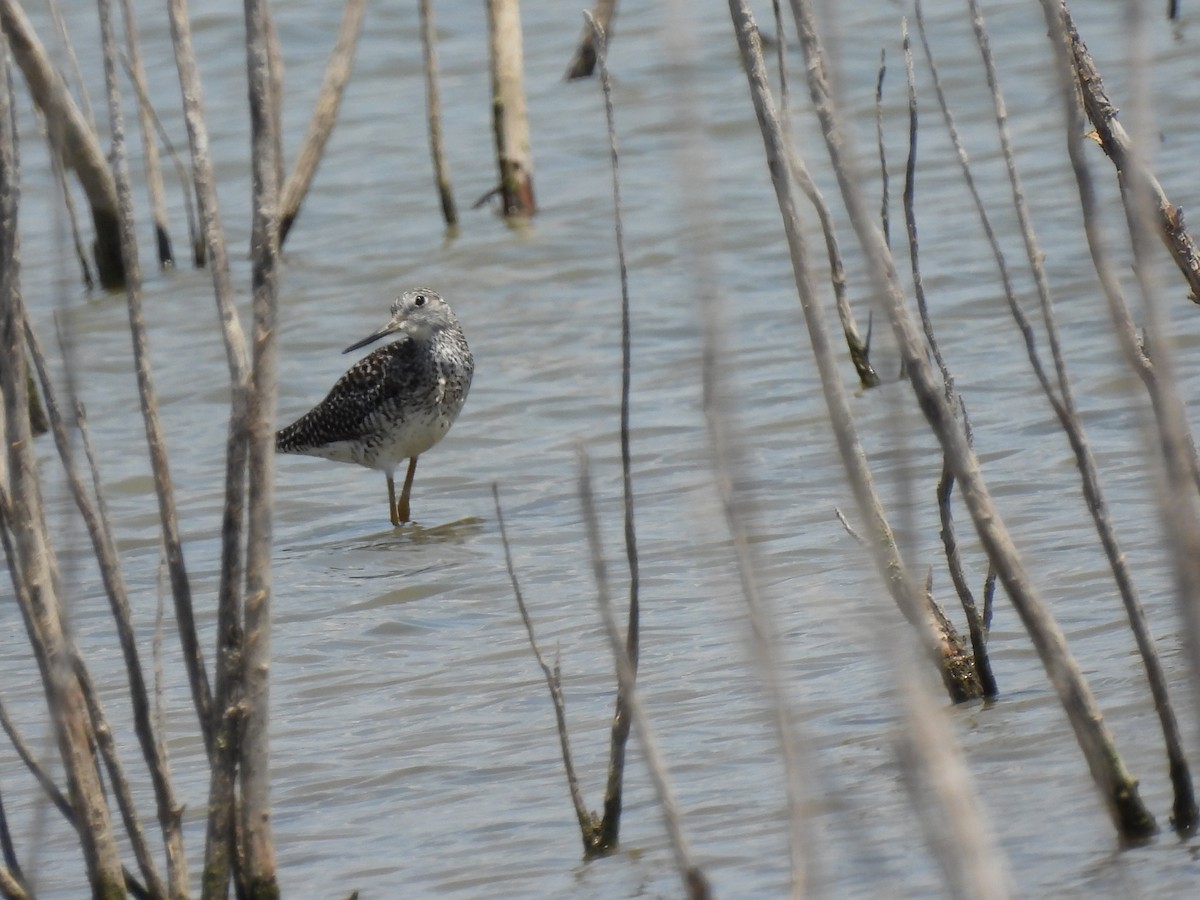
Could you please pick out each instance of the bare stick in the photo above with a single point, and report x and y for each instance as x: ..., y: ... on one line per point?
x: 1063, y: 404
x: 337, y: 73
x: 621, y: 718
x: 35, y: 578
x: 884, y: 219
x: 942, y: 645
x: 96, y: 521
x: 583, y: 63
x: 255, y: 749
x: 939, y: 786
x: 694, y: 882
x: 153, y: 172
x: 433, y: 114
x: 1131, y: 168
x: 68, y: 49
x: 146, y: 108
x: 727, y: 464
x: 10, y: 884
x: 60, y: 178
x: 12, y: 867
x: 978, y: 634
x: 181, y: 588
x: 860, y: 350
x: 219, y: 855
x: 509, y: 119
x: 120, y: 783
x: 40, y: 775
x: 1180, y: 525
x: 589, y: 825
x: 70, y: 137
x: 1117, y: 787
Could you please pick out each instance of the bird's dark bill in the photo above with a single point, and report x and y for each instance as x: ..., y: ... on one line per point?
x: 370, y: 339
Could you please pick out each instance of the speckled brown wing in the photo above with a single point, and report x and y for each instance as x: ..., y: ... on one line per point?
x: 350, y: 410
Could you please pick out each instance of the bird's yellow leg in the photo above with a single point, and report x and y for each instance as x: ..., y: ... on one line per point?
x: 404, y: 493
x: 392, y: 500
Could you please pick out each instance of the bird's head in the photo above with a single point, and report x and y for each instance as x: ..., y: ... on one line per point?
x: 418, y: 313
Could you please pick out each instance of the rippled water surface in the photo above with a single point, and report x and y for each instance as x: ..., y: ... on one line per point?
x: 413, y: 742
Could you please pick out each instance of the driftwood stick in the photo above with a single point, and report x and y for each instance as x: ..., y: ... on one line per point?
x: 60, y: 178
x: 68, y: 50
x: 939, y: 785
x: 510, y: 122
x: 71, y: 137
x: 694, y: 882
x: 728, y: 463
x: 220, y: 853
x: 1063, y: 404
x: 30, y: 552
x: 12, y: 866
x: 337, y: 73
x: 610, y: 824
x: 56, y: 797
x: 145, y: 107
x: 10, y: 884
x: 117, y: 779
x: 96, y: 521
x: 884, y: 205
x: 433, y: 114
x: 181, y: 588
x: 860, y: 350
x: 881, y: 540
x: 583, y: 63
x: 1117, y: 787
x: 978, y: 635
x: 257, y: 841
x: 153, y: 171
x: 589, y: 824
x: 1130, y: 165
x: 1180, y: 524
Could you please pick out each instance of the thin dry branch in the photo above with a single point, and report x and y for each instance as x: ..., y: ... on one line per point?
x: 337, y: 73
x: 254, y: 748
x: 146, y: 108
x: 978, y: 634
x: 1063, y: 404
x: 71, y: 137
x: 884, y: 214
x: 1117, y: 787
x: 12, y: 866
x: 433, y: 114
x: 153, y: 171
x: 30, y: 761
x: 610, y: 824
x: 1181, y: 525
x: 119, y: 783
x: 583, y: 63
x: 589, y: 824
x: 510, y: 122
x: 860, y: 350
x: 728, y: 463
x: 219, y: 847
x: 694, y: 882
x: 168, y: 519
x: 1131, y: 168
x: 31, y: 557
x: 941, y: 643
x: 939, y: 785
x: 95, y: 518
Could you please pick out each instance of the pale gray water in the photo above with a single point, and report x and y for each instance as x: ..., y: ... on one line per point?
x: 413, y: 743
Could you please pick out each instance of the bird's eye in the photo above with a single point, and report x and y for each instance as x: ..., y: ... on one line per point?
x: 419, y: 300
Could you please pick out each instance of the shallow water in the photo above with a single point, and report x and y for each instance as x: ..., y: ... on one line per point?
x: 413, y: 741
